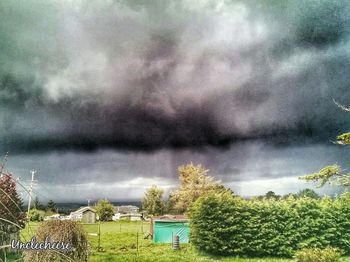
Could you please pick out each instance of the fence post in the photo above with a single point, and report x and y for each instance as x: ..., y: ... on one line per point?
x: 137, y: 242
x: 99, y: 236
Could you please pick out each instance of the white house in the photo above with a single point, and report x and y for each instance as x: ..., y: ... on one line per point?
x: 133, y: 217
x: 129, y: 209
x: 130, y: 212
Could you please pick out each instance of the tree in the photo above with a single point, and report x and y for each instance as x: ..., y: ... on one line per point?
x: 307, y: 192
x: 194, y: 182
x: 105, y: 210
x: 271, y: 195
x: 332, y: 174
x: 153, y: 202
x: 329, y: 174
x: 12, y: 218
x: 51, y: 206
x: 37, y: 204
x: 290, y: 195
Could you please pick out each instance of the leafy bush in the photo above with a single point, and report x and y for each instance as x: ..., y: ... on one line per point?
x: 328, y: 254
x: 36, y: 215
x: 60, y: 231
x: 223, y: 224
x: 105, y: 210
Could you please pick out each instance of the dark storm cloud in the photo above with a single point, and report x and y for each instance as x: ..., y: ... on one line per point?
x: 126, y: 74
x: 248, y: 168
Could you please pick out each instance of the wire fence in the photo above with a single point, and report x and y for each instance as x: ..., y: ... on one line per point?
x: 118, y: 235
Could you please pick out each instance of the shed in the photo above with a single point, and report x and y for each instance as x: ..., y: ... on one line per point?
x: 84, y: 214
x: 164, y: 228
x: 89, y: 216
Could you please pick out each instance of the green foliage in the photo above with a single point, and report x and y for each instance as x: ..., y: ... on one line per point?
x: 332, y: 174
x: 12, y: 218
x: 49, y: 213
x: 343, y: 139
x: 328, y: 254
x: 326, y: 174
x: 223, y: 224
x: 194, y: 182
x: 105, y: 210
x: 36, y: 215
x: 307, y: 192
x: 11, y: 214
x: 271, y: 195
x: 60, y: 231
x: 153, y: 202
x: 329, y: 174
x: 37, y: 204
x: 290, y: 196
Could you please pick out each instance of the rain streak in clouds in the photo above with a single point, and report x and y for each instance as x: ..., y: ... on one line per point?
x: 81, y: 79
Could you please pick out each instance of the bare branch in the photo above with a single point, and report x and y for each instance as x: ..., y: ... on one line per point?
x: 347, y: 109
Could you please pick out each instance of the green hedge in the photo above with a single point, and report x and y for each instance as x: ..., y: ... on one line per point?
x: 229, y: 225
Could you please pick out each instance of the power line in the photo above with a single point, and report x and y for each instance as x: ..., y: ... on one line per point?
x: 45, y: 192
x: 50, y: 191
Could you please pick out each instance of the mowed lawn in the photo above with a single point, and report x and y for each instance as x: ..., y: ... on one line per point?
x: 124, y: 241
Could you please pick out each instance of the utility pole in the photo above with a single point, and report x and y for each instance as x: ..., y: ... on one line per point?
x: 88, y: 202
x: 31, y: 189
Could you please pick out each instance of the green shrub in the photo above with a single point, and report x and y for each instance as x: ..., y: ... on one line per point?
x: 36, y: 215
x: 105, y: 210
x: 328, y: 254
x: 223, y: 224
x: 60, y: 231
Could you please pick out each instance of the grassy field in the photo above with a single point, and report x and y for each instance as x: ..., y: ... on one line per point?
x: 124, y: 241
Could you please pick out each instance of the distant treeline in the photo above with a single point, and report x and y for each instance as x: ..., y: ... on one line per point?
x: 66, y: 208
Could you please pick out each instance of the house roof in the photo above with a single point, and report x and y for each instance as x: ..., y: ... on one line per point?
x: 83, y: 209
x: 126, y: 209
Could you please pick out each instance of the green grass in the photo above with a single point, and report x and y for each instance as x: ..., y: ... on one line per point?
x: 119, y: 243
x: 10, y: 257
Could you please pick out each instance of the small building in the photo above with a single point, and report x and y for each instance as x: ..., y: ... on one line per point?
x: 84, y: 214
x: 164, y: 228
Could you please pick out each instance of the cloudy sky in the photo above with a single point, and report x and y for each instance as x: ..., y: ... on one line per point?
x: 106, y: 98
